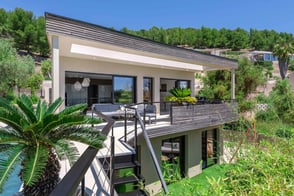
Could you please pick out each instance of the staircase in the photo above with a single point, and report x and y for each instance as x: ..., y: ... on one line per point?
x: 124, y: 170
x: 127, y: 179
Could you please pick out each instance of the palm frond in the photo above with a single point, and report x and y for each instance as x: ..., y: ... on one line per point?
x: 74, y: 109
x: 10, y: 137
x: 66, y: 150
x: 64, y: 121
x: 93, y: 121
x: 41, y: 109
x: 86, y: 135
x: 35, y: 163
x: 35, y: 127
x: 53, y: 106
x: 9, y: 114
x: 4, y: 147
x: 14, y: 121
x: 10, y: 131
x: 8, y: 162
x: 26, y: 106
x: 49, y: 119
x: 6, y: 105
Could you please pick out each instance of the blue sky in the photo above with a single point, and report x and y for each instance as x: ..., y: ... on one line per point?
x: 136, y: 14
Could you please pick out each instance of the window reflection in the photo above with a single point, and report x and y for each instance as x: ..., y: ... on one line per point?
x: 123, y: 89
x: 147, y: 90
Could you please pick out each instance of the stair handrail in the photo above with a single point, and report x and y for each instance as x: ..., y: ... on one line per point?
x: 151, y: 150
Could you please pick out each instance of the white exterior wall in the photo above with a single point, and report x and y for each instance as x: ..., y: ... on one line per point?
x: 88, y: 66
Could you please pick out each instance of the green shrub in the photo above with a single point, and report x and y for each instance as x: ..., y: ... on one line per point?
x: 291, y: 65
x: 246, y: 105
x: 265, y: 64
x: 240, y: 125
x: 268, y: 115
x: 285, y: 132
x: 261, y: 98
x: 171, y: 170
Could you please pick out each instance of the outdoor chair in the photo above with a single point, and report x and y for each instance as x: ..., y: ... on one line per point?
x: 150, y: 113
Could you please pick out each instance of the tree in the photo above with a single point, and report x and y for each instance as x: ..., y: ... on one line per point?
x: 283, y: 49
x: 3, y: 23
x: 14, y: 69
x: 282, y: 99
x: 46, y: 67
x: 41, y: 46
x: 217, y: 84
x: 37, y: 136
x: 34, y: 82
x: 248, y: 77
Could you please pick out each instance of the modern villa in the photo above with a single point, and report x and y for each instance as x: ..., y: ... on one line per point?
x: 115, y: 74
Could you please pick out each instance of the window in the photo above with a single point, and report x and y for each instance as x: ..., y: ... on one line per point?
x: 183, y: 84
x: 173, y: 158
x: 124, y: 89
x: 147, y: 89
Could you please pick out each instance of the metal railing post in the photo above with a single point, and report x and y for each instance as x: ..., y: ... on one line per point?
x: 125, y: 124
x: 83, y: 187
x: 136, y: 134
x: 112, y: 167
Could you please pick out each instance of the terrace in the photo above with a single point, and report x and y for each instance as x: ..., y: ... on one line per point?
x: 121, y: 147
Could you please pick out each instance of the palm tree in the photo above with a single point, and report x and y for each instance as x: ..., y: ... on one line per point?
x: 283, y: 49
x: 37, y: 137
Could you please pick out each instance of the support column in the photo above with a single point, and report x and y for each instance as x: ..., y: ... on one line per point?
x: 233, y: 84
x: 55, y: 68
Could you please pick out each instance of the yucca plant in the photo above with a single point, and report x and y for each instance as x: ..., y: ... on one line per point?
x: 37, y: 137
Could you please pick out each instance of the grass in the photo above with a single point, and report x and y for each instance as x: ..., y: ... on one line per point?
x: 197, y: 185
x: 268, y: 128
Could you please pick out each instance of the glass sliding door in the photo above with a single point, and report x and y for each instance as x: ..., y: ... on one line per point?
x: 124, y: 89
x: 147, y: 89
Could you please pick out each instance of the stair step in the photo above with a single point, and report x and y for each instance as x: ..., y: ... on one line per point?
x: 118, y: 158
x: 126, y: 165
x: 133, y: 193
x: 125, y: 180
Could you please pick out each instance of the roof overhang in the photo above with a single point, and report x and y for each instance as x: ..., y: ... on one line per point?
x: 87, y: 41
x: 99, y: 53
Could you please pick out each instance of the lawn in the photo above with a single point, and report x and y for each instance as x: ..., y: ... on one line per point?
x: 197, y: 185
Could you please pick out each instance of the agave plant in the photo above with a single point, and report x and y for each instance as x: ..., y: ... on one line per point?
x: 181, y: 95
x: 37, y: 137
x: 180, y: 92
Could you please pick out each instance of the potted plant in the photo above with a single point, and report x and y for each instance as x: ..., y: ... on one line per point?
x: 181, y: 96
x: 37, y: 137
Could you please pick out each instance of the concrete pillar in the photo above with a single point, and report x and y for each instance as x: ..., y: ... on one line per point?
x: 233, y: 84
x: 156, y: 93
x: 55, y: 68
x: 140, y: 89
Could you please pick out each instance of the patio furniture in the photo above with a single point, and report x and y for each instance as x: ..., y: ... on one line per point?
x: 149, y: 112
x: 109, y: 109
